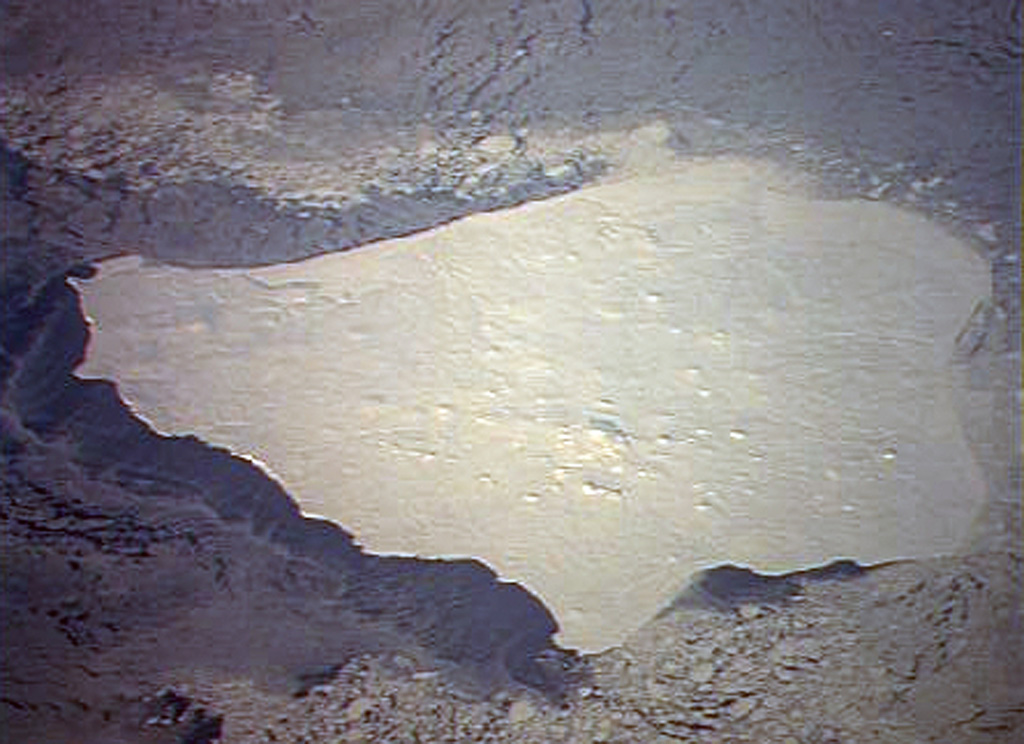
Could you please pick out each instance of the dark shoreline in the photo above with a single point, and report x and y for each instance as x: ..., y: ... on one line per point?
x: 179, y: 555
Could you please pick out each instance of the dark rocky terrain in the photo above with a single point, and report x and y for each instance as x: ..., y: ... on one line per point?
x: 112, y: 530
x: 159, y: 589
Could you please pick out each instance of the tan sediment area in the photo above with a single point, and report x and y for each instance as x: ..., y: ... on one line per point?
x: 597, y: 394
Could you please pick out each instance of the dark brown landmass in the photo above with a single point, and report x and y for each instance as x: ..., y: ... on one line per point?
x: 159, y: 589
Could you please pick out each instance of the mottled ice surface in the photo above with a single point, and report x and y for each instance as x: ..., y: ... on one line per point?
x: 598, y: 394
